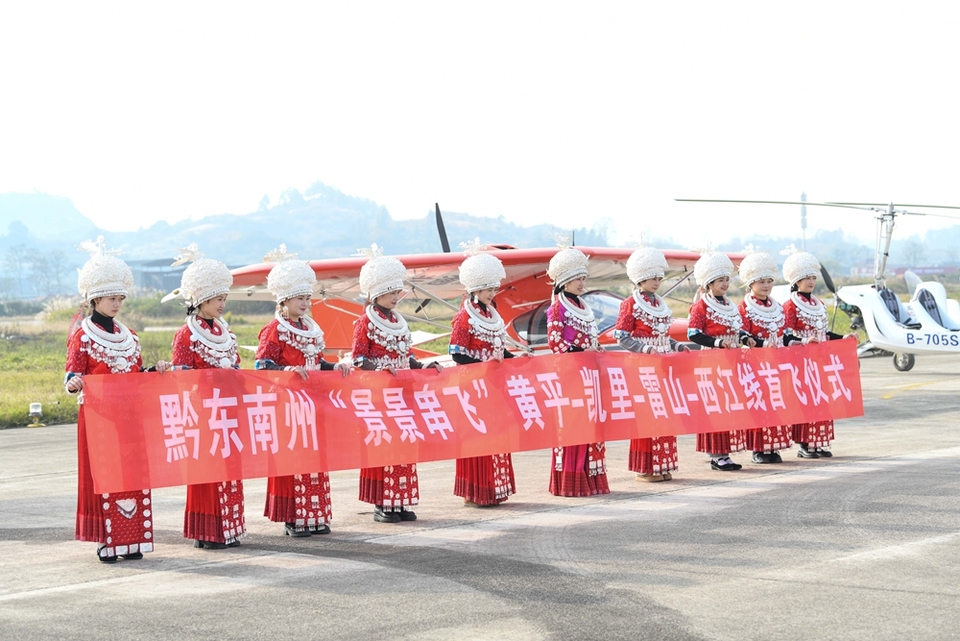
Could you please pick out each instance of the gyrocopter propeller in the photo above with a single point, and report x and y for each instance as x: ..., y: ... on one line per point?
x: 929, y: 323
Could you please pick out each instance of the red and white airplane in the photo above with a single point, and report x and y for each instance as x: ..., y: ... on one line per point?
x: 433, y: 278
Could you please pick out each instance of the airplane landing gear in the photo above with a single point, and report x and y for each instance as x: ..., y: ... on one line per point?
x: 904, y: 362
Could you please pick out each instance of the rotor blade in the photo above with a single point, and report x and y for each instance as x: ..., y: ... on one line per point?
x: 827, y: 280
x: 767, y: 202
x: 896, y: 208
x: 903, y: 205
x: 444, y: 243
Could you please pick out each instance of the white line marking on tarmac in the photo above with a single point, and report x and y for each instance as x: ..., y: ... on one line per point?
x: 710, y: 496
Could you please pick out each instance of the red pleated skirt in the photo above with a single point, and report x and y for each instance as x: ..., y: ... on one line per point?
x: 769, y: 439
x: 722, y: 442
x: 579, y: 470
x: 393, y: 487
x: 121, y: 521
x: 485, y: 480
x: 214, y: 512
x: 653, y: 456
x: 302, y: 499
x: 817, y: 434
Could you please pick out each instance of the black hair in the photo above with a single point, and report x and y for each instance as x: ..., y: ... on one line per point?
x: 795, y: 287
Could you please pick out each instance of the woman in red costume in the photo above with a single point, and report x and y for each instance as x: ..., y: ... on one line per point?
x: 642, y: 327
x: 806, y: 319
x: 121, y: 522
x: 381, y: 341
x: 293, y: 341
x: 763, y: 319
x: 214, y: 516
x: 478, y: 335
x: 715, y: 323
x: 577, y: 470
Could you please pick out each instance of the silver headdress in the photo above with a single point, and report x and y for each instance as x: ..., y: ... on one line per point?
x: 104, y: 274
x: 290, y: 277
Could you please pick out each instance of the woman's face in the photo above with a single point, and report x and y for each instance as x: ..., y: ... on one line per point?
x: 651, y: 285
x: 297, y: 306
x: 109, y: 306
x: 576, y: 286
x: 388, y: 300
x: 761, y: 288
x: 485, y: 296
x: 214, y: 307
x: 720, y: 286
x: 807, y: 285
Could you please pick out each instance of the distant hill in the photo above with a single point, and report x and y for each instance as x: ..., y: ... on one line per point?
x: 39, y: 234
x: 322, y: 222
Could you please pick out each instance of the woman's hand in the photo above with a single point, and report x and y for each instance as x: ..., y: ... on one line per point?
x: 162, y: 366
x: 300, y: 370
x: 75, y: 384
x: 750, y: 342
x: 729, y: 343
x: 392, y: 370
x: 437, y: 366
x: 345, y: 368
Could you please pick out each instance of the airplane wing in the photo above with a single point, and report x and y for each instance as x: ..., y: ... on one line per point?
x: 437, y: 275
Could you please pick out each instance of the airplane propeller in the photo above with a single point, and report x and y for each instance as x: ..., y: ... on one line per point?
x: 444, y: 244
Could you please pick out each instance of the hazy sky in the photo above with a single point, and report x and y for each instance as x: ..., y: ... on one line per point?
x: 540, y: 112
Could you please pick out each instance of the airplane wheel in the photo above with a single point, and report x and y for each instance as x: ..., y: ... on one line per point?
x: 904, y: 362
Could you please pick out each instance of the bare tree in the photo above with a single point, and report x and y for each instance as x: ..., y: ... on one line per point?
x: 914, y: 252
x: 15, y: 263
x: 40, y: 274
x: 57, y: 262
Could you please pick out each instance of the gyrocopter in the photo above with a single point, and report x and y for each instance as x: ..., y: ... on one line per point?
x: 928, y: 324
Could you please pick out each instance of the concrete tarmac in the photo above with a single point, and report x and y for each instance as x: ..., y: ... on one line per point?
x: 865, y: 545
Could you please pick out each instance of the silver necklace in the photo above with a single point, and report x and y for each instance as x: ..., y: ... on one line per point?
x: 118, y: 350
x: 394, y: 336
x: 308, y: 341
x: 723, y: 313
x: 813, y: 314
x: 770, y: 318
x: 216, y: 350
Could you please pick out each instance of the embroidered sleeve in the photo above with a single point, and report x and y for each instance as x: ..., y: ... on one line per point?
x: 625, y: 320
x: 183, y: 355
x: 77, y: 358
x: 269, y: 348
x: 790, y: 320
x: 460, y: 336
x: 361, y: 344
x: 138, y: 366
x: 559, y: 335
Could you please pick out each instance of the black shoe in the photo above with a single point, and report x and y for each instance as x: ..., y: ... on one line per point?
x: 105, y: 559
x: 209, y: 545
x: 724, y: 464
x: 805, y: 453
x: 234, y: 543
x: 381, y: 516
x: 320, y: 529
x: 136, y: 556
x: 775, y: 458
x: 407, y: 515
x: 822, y: 453
x: 760, y: 457
x: 289, y: 529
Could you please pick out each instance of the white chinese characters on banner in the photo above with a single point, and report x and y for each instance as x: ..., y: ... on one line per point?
x: 258, y: 423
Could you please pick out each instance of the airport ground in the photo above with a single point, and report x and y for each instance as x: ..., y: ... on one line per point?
x: 865, y: 545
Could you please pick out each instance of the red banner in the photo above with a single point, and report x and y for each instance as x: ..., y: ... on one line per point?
x: 152, y: 430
